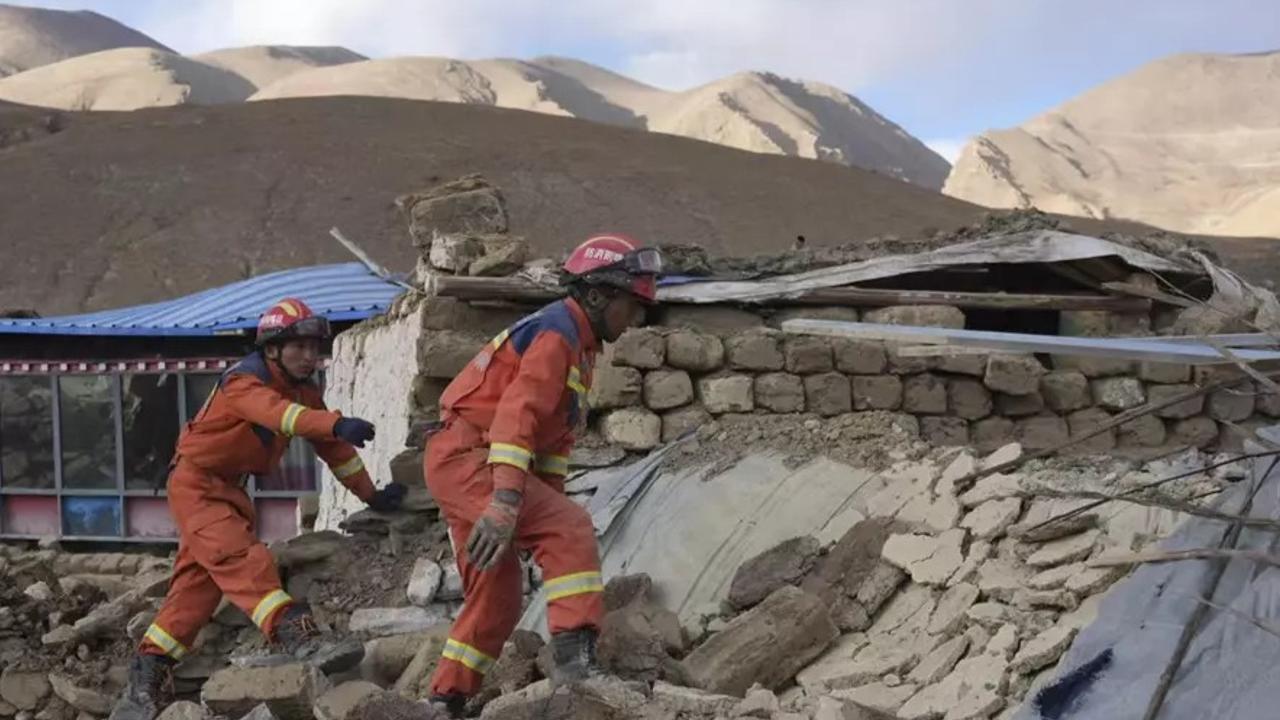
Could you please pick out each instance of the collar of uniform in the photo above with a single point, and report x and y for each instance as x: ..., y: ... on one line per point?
x: 589, y: 341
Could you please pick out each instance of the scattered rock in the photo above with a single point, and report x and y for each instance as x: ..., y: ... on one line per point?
x: 784, y: 564
x: 768, y: 644
x: 184, y: 710
x: 424, y: 581
x: 678, y: 700
x: 78, y: 696
x: 23, y: 690
x: 338, y: 703
x: 289, y: 691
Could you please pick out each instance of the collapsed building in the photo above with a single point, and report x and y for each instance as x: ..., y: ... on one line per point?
x: 895, y: 514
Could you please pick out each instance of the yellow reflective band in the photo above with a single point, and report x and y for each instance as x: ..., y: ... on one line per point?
x: 290, y: 418
x: 505, y: 454
x: 575, y: 381
x: 575, y: 584
x: 467, y: 655
x: 165, y: 642
x: 553, y: 464
x: 271, y: 602
x: 348, y: 468
x: 499, y: 339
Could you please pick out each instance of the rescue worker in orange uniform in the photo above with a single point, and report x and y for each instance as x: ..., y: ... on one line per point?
x: 243, y: 429
x: 497, y: 468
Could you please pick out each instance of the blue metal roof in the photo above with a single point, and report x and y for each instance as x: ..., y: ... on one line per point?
x: 347, y: 291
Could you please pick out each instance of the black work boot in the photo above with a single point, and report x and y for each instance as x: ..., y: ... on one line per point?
x: 150, y: 688
x: 297, y: 634
x: 453, y: 705
x: 575, y: 655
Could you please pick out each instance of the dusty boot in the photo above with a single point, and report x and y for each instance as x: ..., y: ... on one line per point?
x: 150, y: 688
x: 452, y: 706
x: 298, y: 635
x: 575, y: 655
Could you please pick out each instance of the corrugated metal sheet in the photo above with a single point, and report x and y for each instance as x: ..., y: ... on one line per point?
x: 346, y: 291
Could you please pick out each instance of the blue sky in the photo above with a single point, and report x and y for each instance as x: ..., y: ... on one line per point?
x: 943, y: 69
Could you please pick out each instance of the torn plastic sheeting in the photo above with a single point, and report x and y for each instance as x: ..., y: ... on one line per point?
x: 1042, y: 246
x: 690, y: 531
x: 1229, y: 670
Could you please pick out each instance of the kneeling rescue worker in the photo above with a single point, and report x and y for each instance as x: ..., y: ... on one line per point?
x: 244, y: 428
x: 497, y: 466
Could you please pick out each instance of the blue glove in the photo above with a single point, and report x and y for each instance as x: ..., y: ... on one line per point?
x: 353, y: 430
x: 388, y: 499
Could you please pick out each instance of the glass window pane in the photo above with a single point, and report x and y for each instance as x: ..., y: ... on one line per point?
x: 88, y: 432
x: 199, y: 388
x: 150, y: 418
x: 297, y: 470
x: 26, y: 433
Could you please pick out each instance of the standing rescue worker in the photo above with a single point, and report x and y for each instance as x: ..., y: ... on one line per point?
x: 496, y: 468
x: 243, y: 429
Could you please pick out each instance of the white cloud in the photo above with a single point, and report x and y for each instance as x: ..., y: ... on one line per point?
x: 948, y: 148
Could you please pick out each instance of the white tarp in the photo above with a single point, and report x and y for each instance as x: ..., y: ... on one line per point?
x: 690, y: 531
x: 1230, y: 668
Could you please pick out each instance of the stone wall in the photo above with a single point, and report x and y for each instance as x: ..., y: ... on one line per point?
x: 699, y: 362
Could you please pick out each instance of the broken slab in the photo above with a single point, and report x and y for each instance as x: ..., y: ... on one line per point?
x: 1066, y: 550
x: 990, y: 519
x: 80, y: 697
x: 992, y: 487
x: 880, y: 697
x: 380, y: 622
x: 929, y: 560
x: 937, y: 664
x: 949, y: 615
x: 1043, y: 649
x: 690, y: 701
x: 768, y: 644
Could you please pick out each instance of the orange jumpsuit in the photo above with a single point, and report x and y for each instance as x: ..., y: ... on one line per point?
x: 244, y: 428
x: 518, y: 403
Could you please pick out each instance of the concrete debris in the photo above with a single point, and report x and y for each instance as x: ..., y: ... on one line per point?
x: 929, y: 560
x: 1043, y: 649
x: 785, y: 564
x: 337, y: 703
x: 184, y: 710
x: 424, y: 581
x: 380, y: 622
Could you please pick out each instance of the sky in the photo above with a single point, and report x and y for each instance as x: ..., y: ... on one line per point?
x: 944, y: 70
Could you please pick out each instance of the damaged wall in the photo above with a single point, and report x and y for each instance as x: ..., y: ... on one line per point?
x: 371, y: 376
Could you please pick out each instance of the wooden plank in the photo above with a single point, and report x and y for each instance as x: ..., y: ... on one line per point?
x: 1154, y: 350
x: 1143, y: 292
x: 511, y: 288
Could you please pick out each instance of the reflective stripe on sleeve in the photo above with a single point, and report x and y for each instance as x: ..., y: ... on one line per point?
x: 553, y: 464
x: 348, y: 468
x: 289, y: 420
x: 507, y: 454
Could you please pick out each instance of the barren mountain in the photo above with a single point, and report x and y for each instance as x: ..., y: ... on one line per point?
x: 1189, y: 143
x: 124, y: 79
x: 760, y: 112
x: 31, y: 37
x: 120, y: 208
x: 265, y: 64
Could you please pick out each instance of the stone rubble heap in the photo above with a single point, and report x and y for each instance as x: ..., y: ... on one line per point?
x: 939, y: 604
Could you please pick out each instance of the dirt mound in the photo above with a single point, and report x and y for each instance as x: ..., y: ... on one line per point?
x: 124, y: 79
x: 1174, y: 144
x: 265, y: 64
x: 31, y: 37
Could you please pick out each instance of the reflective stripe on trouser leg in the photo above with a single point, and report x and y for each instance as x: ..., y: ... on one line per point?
x: 267, y: 606
x: 160, y: 637
x: 573, y: 584
x: 463, y: 653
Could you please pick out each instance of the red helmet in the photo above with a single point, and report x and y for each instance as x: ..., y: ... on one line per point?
x: 290, y: 319
x: 618, y: 261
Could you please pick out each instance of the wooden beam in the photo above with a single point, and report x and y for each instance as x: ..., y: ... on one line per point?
x: 1148, y: 349
x: 878, y: 297
x: 1135, y: 290
x: 511, y: 288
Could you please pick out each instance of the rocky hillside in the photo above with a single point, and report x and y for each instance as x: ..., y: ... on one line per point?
x: 110, y: 209
x: 1190, y: 143
x: 32, y: 37
x: 753, y: 111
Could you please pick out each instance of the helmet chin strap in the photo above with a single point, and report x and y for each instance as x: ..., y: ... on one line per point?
x: 285, y: 371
